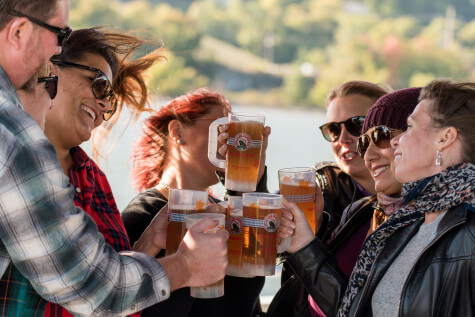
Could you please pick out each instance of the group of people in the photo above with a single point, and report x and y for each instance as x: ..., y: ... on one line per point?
x: 395, y: 229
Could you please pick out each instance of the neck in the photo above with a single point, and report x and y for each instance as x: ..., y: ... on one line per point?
x: 176, y: 178
x: 64, y: 157
x: 431, y: 216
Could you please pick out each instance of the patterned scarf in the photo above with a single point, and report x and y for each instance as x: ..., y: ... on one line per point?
x: 452, y: 187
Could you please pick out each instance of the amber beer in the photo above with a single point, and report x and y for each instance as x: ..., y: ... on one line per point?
x: 181, y: 202
x: 244, y: 152
x: 261, y: 220
x: 175, y: 230
x: 298, y: 186
x: 235, y: 227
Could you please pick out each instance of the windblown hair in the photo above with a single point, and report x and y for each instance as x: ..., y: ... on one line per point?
x: 357, y: 87
x: 128, y: 72
x: 43, y: 10
x: 149, y: 150
x: 453, y: 105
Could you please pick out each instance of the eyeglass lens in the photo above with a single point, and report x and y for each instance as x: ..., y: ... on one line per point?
x: 380, y: 136
x: 332, y: 130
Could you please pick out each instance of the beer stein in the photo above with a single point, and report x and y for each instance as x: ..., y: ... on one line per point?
x: 246, y: 132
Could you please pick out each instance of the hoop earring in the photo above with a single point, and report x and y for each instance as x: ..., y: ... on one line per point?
x: 438, y: 160
x: 179, y: 142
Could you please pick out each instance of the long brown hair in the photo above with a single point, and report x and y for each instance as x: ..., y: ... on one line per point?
x: 118, y: 49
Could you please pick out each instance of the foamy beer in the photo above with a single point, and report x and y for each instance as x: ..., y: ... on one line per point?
x: 261, y: 219
x: 216, y: 289
x: 235, y: 227
x: 180, y: 203
x: 246, y: 132
x: 298, y: 186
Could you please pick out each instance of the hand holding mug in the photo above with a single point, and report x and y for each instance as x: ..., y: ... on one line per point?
x: 294, y: 224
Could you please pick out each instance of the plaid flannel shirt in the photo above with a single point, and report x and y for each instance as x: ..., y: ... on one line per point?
x: 53, y: 244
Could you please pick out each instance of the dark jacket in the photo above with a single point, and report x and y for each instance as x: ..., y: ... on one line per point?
x: 292, y: 297
x: 441, y: 282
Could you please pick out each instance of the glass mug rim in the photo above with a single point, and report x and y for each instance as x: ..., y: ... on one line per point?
x: 296, y: 169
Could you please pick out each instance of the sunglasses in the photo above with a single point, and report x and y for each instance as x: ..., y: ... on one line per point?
x: 332, y: 130
x: 63, y: 34
x: 381, y: 136
x: 101, y: 86
x: 51, y: 85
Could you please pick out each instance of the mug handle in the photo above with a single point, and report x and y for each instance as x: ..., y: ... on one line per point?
x: 213, y: 143
x: 284, y: 245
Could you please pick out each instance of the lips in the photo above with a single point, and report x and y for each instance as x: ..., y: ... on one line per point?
x: 348, y: 156
x: 92, y: 113
x: 379, y: 170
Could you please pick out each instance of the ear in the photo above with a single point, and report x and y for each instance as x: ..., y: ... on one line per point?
x: 18, y: 33
x: 175, y: 130
x: 448, y: 137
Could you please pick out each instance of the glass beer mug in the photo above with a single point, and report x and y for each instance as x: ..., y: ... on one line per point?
x: 246, y: 132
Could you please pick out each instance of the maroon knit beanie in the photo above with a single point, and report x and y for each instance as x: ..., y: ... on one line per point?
x: 392, y: 109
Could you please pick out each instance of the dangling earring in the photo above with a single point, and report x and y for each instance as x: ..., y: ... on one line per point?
x: 179, y: 142
x: 438, y: 160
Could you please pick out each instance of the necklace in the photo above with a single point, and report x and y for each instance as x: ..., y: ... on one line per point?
x: 164, y: 185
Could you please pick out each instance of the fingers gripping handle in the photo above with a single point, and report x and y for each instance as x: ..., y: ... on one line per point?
x: 213, y: 143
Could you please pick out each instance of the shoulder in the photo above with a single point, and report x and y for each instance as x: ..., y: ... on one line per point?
x: 148, y: 202
x: 325, y: 173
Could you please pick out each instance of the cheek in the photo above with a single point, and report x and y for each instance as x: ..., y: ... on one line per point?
x: 335, y: 147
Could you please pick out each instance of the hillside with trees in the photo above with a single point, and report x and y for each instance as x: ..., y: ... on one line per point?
x: 293, y: 51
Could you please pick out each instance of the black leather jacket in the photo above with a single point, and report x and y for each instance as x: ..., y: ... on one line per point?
x: 441, y: 282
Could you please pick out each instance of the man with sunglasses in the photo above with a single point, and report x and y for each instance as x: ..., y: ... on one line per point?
x: 47, y: 242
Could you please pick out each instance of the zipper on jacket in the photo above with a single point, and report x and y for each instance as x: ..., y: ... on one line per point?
x: 419, y: 257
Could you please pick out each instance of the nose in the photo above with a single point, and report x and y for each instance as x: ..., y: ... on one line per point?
x: 346, y: 137
x: 370, y: 154
x: 395, y: 141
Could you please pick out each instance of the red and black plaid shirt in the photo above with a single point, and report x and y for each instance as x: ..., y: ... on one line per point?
x: 93, y: 194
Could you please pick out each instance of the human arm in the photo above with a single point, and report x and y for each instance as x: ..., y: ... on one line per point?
x: 311, y: 262
x: 54, y: 244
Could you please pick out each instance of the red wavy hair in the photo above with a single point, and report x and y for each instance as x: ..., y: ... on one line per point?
x: 149, y: 150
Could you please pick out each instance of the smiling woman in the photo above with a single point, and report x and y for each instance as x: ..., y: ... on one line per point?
x: 97, y: 77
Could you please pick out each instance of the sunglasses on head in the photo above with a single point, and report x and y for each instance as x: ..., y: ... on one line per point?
x: 381, y: 136
x: 332, y: 130
x: 63, y: 34
x: 101, y: 86
x: 51, y: 85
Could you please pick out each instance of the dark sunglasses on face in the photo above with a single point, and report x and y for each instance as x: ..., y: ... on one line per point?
x: 63, y: 34
x: 51, y: 85
x: 100, y: 86
x: 332, y: 130
x: 381, y: 136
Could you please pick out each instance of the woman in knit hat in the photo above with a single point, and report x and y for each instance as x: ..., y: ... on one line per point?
x: 386, y: 119
x: 419, y: 262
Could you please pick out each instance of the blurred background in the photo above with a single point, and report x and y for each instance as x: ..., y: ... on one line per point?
x: 292, y: 52
x: 280, y: 58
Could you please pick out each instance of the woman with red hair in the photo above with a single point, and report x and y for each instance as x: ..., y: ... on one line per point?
x: 172, y: 153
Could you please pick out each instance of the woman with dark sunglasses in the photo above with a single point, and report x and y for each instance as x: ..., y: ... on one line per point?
x: 408, y: 266
x: 97, y: 78
x: 38, y: 100
x: 342, y: 183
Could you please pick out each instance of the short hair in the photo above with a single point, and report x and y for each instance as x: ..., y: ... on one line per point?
x: 357, y: 87
x: 150, y: 149
x: 42, y: 10
x: 453, y: 105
